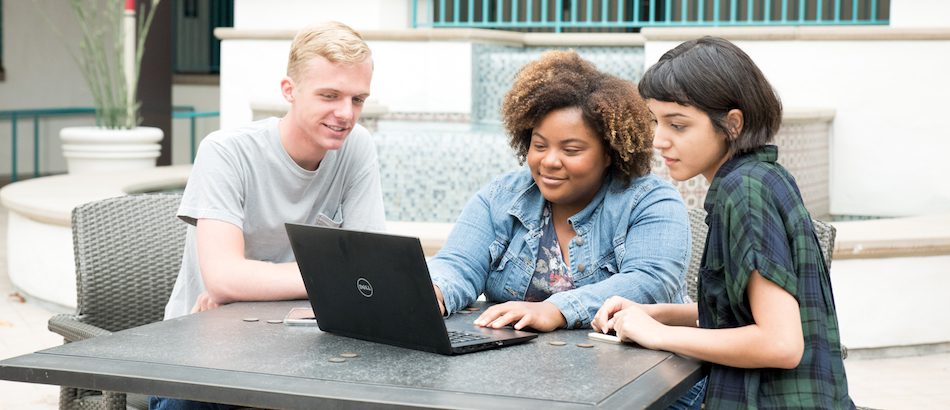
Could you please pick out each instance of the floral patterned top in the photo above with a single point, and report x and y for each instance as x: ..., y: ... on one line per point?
x: 551, y: 274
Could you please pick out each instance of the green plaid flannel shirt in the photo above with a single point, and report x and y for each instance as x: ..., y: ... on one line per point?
x: 757, y: 221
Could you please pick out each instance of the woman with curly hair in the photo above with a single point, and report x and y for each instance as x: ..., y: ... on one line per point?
x: 585, y: 221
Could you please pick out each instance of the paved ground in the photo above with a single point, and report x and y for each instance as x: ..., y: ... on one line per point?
x: 22, y: 330
x: 916, y: 382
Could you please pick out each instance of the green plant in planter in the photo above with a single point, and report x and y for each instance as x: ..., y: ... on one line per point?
x: 102, y: 48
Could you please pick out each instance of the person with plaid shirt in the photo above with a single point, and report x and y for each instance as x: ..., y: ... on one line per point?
x: 765, y: 320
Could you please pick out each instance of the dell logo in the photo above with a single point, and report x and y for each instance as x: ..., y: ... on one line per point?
x: 364, y: 287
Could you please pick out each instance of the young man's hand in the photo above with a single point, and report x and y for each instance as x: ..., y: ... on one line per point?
x: 204, y: 303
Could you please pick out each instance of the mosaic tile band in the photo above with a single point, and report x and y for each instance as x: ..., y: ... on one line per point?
x: 494, y: 68
x: 429, y: 171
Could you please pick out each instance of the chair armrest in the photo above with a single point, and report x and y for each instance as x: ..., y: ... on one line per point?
x: 73, y: 329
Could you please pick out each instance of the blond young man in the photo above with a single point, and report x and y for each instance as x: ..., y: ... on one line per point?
x: 315, y: 165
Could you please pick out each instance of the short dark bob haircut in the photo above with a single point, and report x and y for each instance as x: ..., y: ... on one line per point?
x: 715, y: 76
x: 610, y: 106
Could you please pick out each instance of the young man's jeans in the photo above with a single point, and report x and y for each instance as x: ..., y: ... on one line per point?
x: 164, y: 403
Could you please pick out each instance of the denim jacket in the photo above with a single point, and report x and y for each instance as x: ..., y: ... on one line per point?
x: 632, y: 240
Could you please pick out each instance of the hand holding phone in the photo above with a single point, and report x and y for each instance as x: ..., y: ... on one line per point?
x: 609, y: 338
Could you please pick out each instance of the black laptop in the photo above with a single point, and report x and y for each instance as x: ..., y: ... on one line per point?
x: 377, y: 287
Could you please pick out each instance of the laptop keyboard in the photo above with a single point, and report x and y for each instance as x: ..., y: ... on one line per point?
x: 456, y: 337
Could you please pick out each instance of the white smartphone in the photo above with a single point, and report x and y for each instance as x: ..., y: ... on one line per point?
x: 604, y: 337
x: 300, y: 316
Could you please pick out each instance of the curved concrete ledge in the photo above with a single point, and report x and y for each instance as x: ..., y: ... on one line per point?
x: 781, y: 33
x: 893, y: 237
x: 889, y: 276
x: 51, y: 200
x: 807, y: 115
x: 476, y: 35
x: 799, y: 33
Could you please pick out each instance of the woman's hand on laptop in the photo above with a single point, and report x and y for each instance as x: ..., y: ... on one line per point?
x: 438, y: 295
x: 540, y: 316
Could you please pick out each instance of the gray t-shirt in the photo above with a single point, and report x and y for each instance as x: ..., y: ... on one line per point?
x: 246, y: 178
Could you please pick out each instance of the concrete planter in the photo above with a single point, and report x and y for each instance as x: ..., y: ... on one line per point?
x: 96, y: 149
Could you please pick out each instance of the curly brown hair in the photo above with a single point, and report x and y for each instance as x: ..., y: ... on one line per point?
x: 611, y: 107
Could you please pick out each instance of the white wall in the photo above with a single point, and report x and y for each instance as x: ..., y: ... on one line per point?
x: 251, y: 70
x: 41, y: 74
x: 293, y: 14
x: 408, y: 76
x: 40, y: 259
x: 920, y: 13
x: 892, y: 301
x: 889, y: 140
x: 434, y: 76
x: 39, y: 70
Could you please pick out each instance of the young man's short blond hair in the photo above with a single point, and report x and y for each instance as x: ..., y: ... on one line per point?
x: 331, y: 40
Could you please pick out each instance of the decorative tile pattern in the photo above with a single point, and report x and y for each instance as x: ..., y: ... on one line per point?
x: 846, y: 218
x: 462, y: 117
x: 803, y: 150
x: 429, y: 171
x: 494, y: 69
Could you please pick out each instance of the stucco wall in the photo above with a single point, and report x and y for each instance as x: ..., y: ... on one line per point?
x: 41, y: 74
x: 293, y: 14
x: 891, y: 301
x: 920, y: 13
x: 421, y: 76
x: 888, y: 140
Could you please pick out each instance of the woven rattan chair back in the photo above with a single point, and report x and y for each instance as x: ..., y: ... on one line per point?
x: 128, y: 251
x: 698, y: 230
x: 826, y: 240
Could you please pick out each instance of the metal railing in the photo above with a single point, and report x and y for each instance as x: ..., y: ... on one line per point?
x: 36, y: 114
x: 631, y: 15
x: 15, y: 116
x: 191, y: 115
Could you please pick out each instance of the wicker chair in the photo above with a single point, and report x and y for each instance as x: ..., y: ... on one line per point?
x: 826, y: 238
x: 128, y: 251
x: 698, y: 230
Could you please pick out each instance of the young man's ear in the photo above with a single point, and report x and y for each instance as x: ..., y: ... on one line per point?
x: 734, y: 120
x: 287, y: 89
